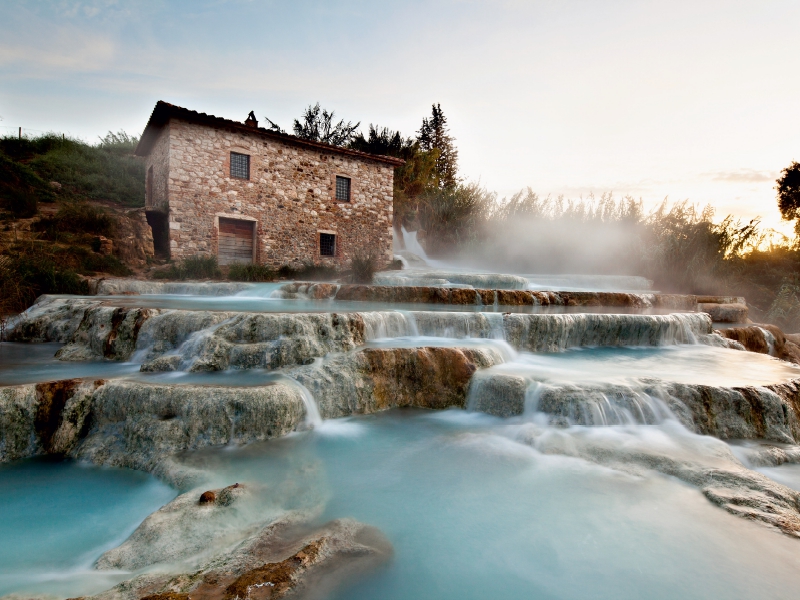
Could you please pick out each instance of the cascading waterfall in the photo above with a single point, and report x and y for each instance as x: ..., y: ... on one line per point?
x: 617, y: 394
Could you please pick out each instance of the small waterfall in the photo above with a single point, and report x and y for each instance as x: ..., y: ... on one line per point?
x: 770, y: 339
x: 412, y: 245
x: 313, y: 416
x: 389, y: 324
x: 567, y: 404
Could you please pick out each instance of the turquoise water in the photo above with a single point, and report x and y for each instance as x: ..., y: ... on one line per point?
x: 685, y: 363
x: 33, y: 363
x: 472, y: 513
x: 59, y: 516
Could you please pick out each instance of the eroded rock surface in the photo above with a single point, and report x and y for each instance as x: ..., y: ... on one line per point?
x: 700, y: 461
x: 514, y: 296
x: 768, y: 412
x: 187, y: 528
x: 765, y: 339
x: 213, y: 341
x: 280, y: 558
x: 139, y: 425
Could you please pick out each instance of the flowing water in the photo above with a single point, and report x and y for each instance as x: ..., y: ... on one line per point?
x: 475, y: 506
x: 474, y: 513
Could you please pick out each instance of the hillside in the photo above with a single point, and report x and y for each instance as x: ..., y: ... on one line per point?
x: 68, y: 209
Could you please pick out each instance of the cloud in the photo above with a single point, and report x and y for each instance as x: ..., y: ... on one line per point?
x: 742, y: 176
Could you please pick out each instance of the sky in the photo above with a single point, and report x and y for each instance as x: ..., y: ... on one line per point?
x: 685, y: 100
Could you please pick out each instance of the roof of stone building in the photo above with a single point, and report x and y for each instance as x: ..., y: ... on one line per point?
x: 165, y: 111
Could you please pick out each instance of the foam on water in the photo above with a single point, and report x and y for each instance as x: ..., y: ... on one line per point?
x: 473, y: 512
x: 687, y: 363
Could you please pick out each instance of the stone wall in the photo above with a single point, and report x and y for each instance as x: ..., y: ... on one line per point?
x: 157, y: 197
x: 290, y: 195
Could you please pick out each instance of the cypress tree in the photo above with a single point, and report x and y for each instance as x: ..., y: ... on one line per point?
x: 435, y: 135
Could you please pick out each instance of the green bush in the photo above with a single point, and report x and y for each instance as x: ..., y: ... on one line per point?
x: 21, y: 189
x: 785, y: 309
x: 251, y: 273
x: 193, y: 267
x: 106, y: 171
x: 89, y: 263
x: 76, y: 217
x: 309, y: 271
x: 23, y: 278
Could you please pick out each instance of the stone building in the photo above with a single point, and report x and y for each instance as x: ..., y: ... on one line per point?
x: 248, y: 194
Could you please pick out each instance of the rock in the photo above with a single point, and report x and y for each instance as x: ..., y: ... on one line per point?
x: 18, y: 408
x: 213, y: 341
x: 170, y: 362
x: 185, y: 529
x: 207, y: 497
x: 55, y: 185
x: 275, y: 561
x: 768, y: 413
x: 498, y: 394
x: 764, y: 339
x: 415, y: 294
x: 133, y: 238
x: 377, y: 379
x: 44, y: 418
x: 50, y: 319
x: 104, y: 245
x: 721, y: 300
x: 138, y: 425
x: 725, y: 313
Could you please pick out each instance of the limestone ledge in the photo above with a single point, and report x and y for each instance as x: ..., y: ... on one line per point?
x: 213, y: 341
x: 141, y: 425
x: 485, y: 297
x: 770, y: 412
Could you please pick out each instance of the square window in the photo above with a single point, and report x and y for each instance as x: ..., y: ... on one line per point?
x: 240, y: 165
x: 327, y: 244
x: 343, y: 188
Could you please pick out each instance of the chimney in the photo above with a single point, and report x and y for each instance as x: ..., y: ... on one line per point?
x: 251, y: 120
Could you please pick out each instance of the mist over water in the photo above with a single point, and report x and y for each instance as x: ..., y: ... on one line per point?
x: 571, y: 496
x: 474, y: 513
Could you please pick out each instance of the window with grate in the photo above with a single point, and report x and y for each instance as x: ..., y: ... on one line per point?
x: 240, y: 165
x: 327, y: 244
x: 343, y: 188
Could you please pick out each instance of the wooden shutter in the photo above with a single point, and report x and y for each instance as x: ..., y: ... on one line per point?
x: 235, y: 241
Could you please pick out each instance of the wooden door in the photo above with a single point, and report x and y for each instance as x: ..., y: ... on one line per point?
x: 235, y: 241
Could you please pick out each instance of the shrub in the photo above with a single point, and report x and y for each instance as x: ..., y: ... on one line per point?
x: 309, y: 271
x: 106, y: 171
x: 91, y: 262
x: 76, y: 217
x: 23, y: 278
x: 21, y: 189
x: 193, y: 267
x: 251, y: 273
x: 785, y: 309
x: 363, y: 267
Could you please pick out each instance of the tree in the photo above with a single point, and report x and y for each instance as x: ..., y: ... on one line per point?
x: 415, y: 177
x: 789, y: 193
x: 434, y: 135
x: 317, y: 125
x: 382, y: 140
